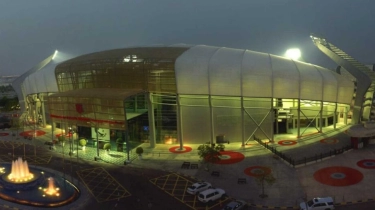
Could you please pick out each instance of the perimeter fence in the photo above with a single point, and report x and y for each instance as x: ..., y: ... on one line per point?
x: 305, y: 160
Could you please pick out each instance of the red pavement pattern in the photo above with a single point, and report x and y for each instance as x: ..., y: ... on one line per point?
x: 32, y: 133
x: 177, y: 150
x: 338, y: 176
x: 257, y: 170
x: 367, y: 164
x: 329, y: 141
x: 287, y: 142
x: 4, y: 134
x: 67, y: 135
x: 229, y: 157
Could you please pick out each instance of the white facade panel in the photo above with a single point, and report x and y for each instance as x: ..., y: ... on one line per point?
x: 40, y: 81
x: 50, y: 79
x: 345, y: 89
x: 311, y: 82
x: 256, y: 75
x: 285, y: 78
x: 225, y: 72
x: 51, y: 83
x: 29, y: 87
x: 191, y: 69
x: 344, y: 92
x: 210, y: 70
x: 330, y: 84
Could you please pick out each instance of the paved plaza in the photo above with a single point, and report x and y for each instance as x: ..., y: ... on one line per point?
x: 345, y: 176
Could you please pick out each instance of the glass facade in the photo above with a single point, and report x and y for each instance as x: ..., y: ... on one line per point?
x: 100, y: 89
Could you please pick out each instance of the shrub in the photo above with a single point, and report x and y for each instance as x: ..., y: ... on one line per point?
x: 82, y: 142
x: 139, y: 150
x: 107, y: 146
x: 220, y: 147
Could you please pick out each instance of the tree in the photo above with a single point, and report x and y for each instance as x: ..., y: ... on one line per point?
x: 261, y: 178
x: 210, y: 153
x: 9, y: 104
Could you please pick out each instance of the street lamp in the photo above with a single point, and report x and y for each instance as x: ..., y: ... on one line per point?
x: 293, y: 53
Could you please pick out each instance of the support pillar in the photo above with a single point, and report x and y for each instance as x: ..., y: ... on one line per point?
x: 179, y: 122
x: 151, y: 120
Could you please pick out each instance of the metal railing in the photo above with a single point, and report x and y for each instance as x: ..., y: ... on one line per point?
x: 305, y: 160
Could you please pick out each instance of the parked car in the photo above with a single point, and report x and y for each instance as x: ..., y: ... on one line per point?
x: 4, y: 125
x: 235, y: 205
x: 198, y: 187
x: 317, y: 204
x: 210, y: 195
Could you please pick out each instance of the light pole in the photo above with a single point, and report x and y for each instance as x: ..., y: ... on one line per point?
x: 71, y: 141
x: 97, y: 142
x: 126, y: 140
x: 34, y: 135
x: 77, y: 140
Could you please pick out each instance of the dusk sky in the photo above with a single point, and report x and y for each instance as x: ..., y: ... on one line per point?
x: 31, y: 30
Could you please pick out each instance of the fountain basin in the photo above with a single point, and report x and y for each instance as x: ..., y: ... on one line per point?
x: 21, y: 185
x: 33, y: 194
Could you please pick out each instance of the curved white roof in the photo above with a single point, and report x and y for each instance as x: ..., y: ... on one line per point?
x: 43, y: 80
x: 236, y: 72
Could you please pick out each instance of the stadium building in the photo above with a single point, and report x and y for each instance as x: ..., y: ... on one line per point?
x: 183, y: 94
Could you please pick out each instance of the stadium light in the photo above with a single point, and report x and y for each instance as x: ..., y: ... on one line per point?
x: 293, y: 53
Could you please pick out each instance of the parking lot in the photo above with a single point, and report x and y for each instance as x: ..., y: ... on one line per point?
x: 176, y: 185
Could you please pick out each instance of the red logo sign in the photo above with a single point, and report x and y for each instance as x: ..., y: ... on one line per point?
x: 79, y: 108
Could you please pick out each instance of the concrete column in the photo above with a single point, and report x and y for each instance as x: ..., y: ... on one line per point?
x: 179, y: 122
x: 43, y: 111
x: 335, y: 116
x: 243, y: 121
x: 321, y: 118
x: 211, y: 119
x: 151, y: 121
x: 299, y: 119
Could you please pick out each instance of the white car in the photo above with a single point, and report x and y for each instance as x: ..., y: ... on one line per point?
x: 210, y: 195
x: 318, y: 203
x: 198, y: 187
x: 235, y: 205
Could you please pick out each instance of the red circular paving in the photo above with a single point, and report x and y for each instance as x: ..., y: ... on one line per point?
x: 230, y: 157
x: 4, y: 134
x: 257, y: 170
x: 367, y: 164
x: 287, y: 142
x: 67, y: 135
x: 338, y: 176
x: 177, y: 150
x: 329, y: 141
x: 32, y: 133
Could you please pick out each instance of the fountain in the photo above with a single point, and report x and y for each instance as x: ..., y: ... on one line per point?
x: 20, y: 172
x: 51, y: 190
x: 20, y: 177
x: 26, y: 185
